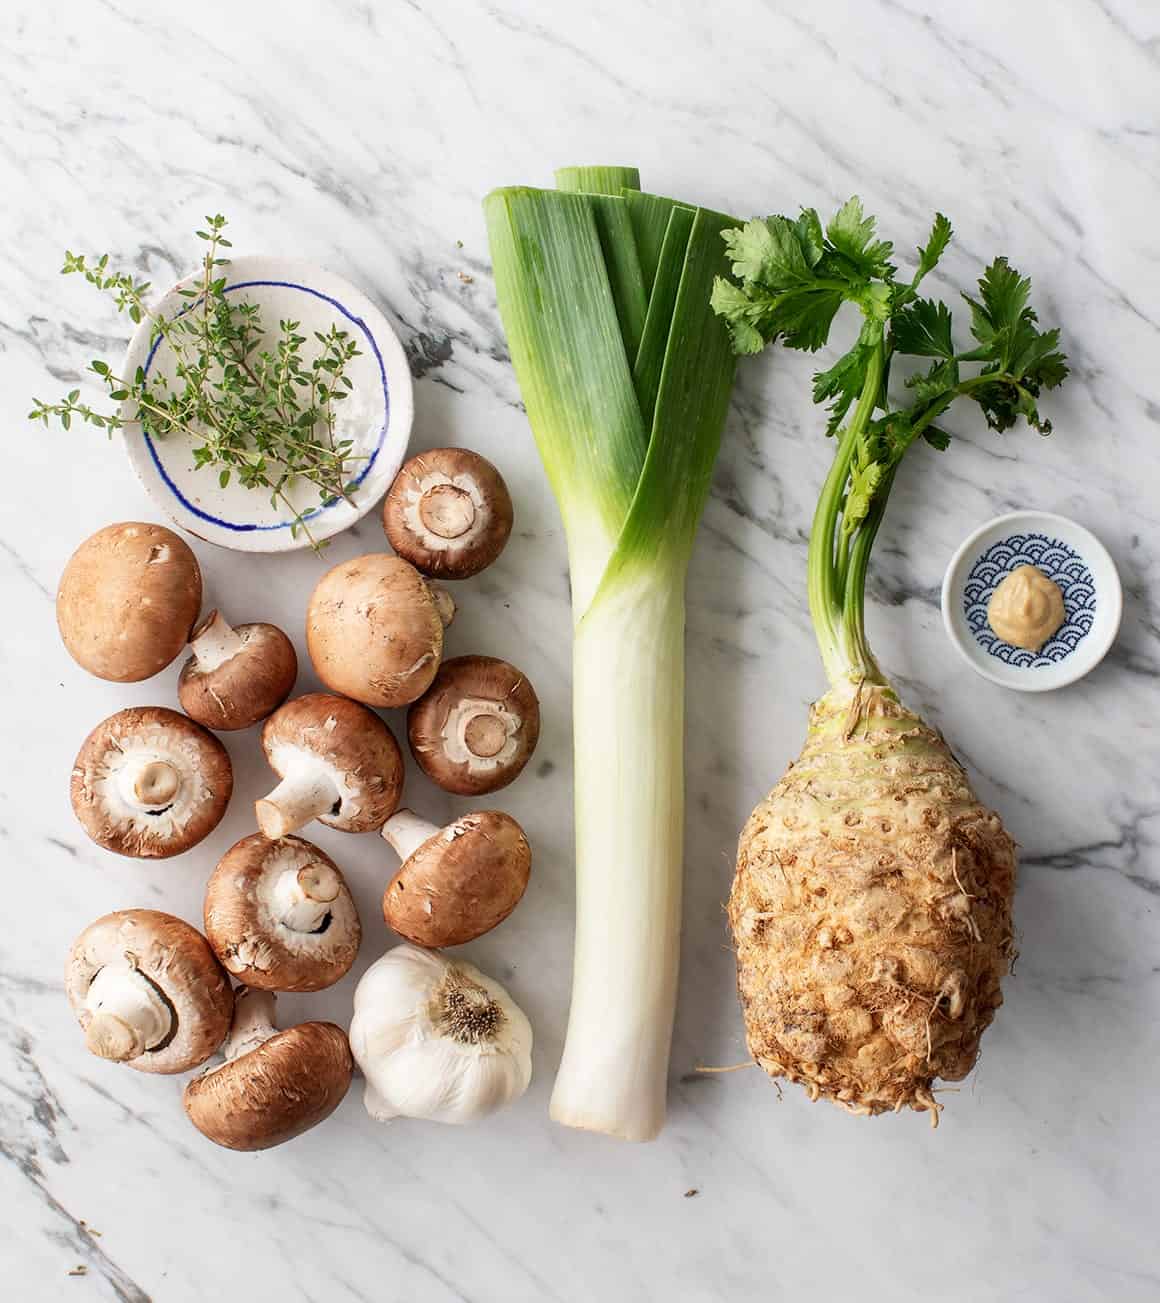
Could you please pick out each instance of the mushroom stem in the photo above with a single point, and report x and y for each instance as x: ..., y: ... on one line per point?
x: 128, y: 1015
x: 302, y: 795
x: 406, y: 832
x: 149, y: 784
x: 214, y: 642
x: 302, y: 897
x: 444, y: 603
x: 253, y: 1022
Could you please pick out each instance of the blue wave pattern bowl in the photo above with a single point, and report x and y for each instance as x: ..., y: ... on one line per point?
x: 1071, y: 557
x: 1063, y: 565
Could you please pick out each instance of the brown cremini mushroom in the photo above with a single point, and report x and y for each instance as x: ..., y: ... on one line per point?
x: 374, y: 630
x: 476, y: 727
x: 448, y: 512
x: 339, y: 763
x: 127, y: 600
x: 150, y: 783
x: 148, y: 991
x: 273, y: 1085
x: 280, y: 916
x: 457, y: 882
x: 236, y: 676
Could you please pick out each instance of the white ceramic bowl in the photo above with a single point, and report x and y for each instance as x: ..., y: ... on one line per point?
x: 1071, y: 557
x: 377, y: 415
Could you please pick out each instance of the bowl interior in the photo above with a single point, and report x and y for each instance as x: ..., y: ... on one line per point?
x: 376, y: 415
x: 1070, y: 557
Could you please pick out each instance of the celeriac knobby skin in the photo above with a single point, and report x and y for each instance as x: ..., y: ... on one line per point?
x: 457, y: 882
x: 437, y: 1039
x: 374, y: 630
x: 236, y: 676
x: 150, y: 783
x: 148, y: 991
x: 475, y: 728
x: 871, y: 910
x: 339, y: 763
x: 127, y: 600
x: 273, y: 1085
x: 448, y: 513
x: 280, y: 916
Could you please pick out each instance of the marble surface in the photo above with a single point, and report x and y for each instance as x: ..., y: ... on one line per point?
x: 363, y: 136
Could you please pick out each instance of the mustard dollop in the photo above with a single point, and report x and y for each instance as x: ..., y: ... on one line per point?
x: 1026, y: 608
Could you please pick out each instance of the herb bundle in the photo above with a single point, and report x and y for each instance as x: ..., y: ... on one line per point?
x: 262, y: 412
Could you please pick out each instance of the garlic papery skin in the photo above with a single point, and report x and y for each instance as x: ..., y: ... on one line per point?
x: 437, y: 1039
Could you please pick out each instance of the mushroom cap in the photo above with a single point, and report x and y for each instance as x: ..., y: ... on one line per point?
x: 475, y: 728
x: 277, y: 1091
x: 127, y: 600
x: 448, y: 513
x: 358, y: 747
x: 249, y: 938
x: 177, y: 960
x: 143, y: 735
x: 461, y: 882
x: 374, y: 632
x: 247, y: 687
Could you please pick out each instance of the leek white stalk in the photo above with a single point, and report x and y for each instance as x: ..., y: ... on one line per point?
x: 626, y: 375
x: 628, y: 710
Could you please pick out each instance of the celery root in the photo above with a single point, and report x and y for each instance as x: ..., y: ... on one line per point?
x: 871, y: 910
x: 871, y: 907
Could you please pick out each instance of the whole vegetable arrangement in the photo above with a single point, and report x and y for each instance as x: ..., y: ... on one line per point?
x: 626, y: 375
x: 871, y: 907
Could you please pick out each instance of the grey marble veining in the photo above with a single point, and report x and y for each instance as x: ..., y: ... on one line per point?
x: 363, y: 136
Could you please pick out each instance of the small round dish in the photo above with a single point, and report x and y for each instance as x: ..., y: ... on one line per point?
x: 1069, y: 556
x: 376, y: 415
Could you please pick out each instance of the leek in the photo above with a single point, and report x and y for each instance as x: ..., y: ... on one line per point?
x: 626, y: 374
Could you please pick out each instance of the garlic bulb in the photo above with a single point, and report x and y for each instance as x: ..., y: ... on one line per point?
x: 437, y: 1039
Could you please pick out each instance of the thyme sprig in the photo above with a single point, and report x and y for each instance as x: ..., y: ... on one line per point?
x: 263, y: 412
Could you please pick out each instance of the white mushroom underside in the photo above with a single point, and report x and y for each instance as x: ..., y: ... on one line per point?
x: 307, y: 768
x: 414, y: 495
x: 112, y: 779
x: 120, y: 991
x: 271, y: 939
x: 454, y: 734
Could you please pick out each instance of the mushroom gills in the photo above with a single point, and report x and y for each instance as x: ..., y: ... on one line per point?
x: 150, y: 777
x: 481, y: 734
x: 128, y: 1014
x: 445, y: 512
